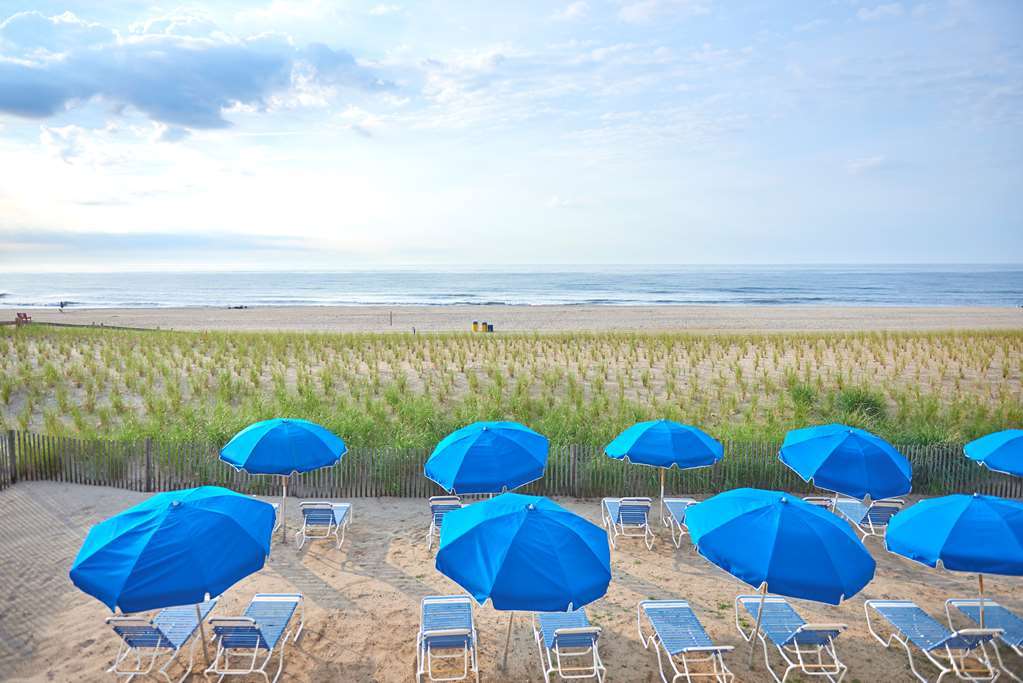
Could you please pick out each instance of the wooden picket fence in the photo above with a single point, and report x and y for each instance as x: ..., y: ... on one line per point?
x: 578, y: 471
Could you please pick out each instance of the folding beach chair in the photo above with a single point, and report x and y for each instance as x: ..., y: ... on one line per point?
x: 676, y: 630
x: 995, y: 616
x: 440, y: 506
x: 145, y: 643
x: 568, y: 645
x: 447, y: 632
x: 808, y: 648
x: 622, y: 515
x: 322, y: 519
x: 265, y: 626
x: 674, y: 513
x: 869, y: 520
x: 961, y: 652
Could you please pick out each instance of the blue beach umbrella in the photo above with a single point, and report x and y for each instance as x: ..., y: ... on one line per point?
x: 1000, y: 452
x: 488, y: 457
x: 283, y: 446
x: 847, y: 460
x: 665, y: 444
x: 964, y: 533
x: 175, y: 548
x: 776, y: 542
x: 525, y: 553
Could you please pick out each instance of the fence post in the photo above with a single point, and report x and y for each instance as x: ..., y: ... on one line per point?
x: 13, y: 461
x: 149, y: 464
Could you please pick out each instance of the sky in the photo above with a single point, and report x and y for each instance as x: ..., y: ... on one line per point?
x: 320, y: 134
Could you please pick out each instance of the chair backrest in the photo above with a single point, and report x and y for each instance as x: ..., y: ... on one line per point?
x: 881, y: 512
x: 238, y: 632
x: 139, y: 632
x: 577, y: 637
x: 995, y: 616
x: 634, y: 510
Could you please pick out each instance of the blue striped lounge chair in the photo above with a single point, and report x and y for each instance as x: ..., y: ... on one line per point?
x: 674, y: 513
x: 447, y: 633
x: 807, y: 648
x: 628, y: 518
x: 266, y: 626
x: 568, y: 645
x: 869, y: 520
x: 673, y: 628
x: 323, y: 520
x: 440, y: 506
x: 995, y: 616
x: 147, y: 644
x: 961, y: 653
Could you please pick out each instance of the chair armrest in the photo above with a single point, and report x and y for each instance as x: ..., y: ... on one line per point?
x: 128, y: 621
x: 822, y: 627
x: 442, y: 632
x: 710, y: 648
x: 979, y: 632
x: 577, y: 631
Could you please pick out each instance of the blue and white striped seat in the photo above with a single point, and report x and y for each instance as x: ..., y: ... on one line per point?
x: 440, y: 506
x: 804, y: 647
x: 568, y: 645
x: 676, y: 519
x: 959, y: 652
x: 145, y: 642
x: 869, y: 520
x: 676, y: 630
x: 446, y: 626
x: 995, y: 616
x: 622, y: 515
x: 263, y: 626
x: 322, y: 519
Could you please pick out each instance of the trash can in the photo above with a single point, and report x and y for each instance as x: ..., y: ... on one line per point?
x: 475, y: 325
x: 490, y: 327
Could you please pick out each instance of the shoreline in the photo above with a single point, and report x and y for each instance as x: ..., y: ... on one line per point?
x: 545, y: 318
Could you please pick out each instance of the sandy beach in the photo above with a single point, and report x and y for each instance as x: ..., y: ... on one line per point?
x: 363, y: 600
x: 546, y: 318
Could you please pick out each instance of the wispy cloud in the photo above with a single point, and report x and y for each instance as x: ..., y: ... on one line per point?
x: 572, y: 12
x: 879, y: 12
x: 865, y: 165
x: 644, y: 11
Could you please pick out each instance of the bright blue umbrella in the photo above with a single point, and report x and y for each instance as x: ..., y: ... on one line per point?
x: 847, y: 460
x: 283, y: 446
x: 1001, y: 451
x: 665, y: 444
x: 981, y: 534
x: 488, y: 457
x: 175, y: 548
x: 778, y: 543
x: 525, y: 553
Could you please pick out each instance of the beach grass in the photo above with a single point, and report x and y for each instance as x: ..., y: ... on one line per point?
x: 411, y: 390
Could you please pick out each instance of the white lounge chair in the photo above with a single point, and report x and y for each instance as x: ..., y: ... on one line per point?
x: 323, y: 520
x: 675, y: 630
x: 277, y: 515
x: 804, y: 647
x: 961, y: 653
x: 627, y: 516
x: 674, y: 512
x: 995, y: 616
x: 440, y: 506
x: 568, y: 645
x: 447, y: 632
x: 869, y: 520
x: 147, y: 643
x: 265, y: 626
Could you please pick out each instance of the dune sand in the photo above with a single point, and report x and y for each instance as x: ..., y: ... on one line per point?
x: 546, y: 318
x: 363, y: 601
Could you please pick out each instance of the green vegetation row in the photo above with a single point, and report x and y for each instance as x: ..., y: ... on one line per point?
x: 409, y: 391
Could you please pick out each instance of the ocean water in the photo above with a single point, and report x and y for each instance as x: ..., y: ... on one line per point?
x: 952, y: 285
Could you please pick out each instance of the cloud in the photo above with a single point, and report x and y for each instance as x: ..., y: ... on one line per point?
x: 573, y: 12
x: 105, y: 243
x: 880, y: 12
x: 866, y: 165
x: 559, y: 202
x: 384, y: 10
x: 178, y: 80
x: 644, y: 11
x: 811, y: 25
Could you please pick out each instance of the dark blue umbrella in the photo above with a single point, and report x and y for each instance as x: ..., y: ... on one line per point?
x: 980, y: 534
x: 1001, y: 451
x: 176, y: 548
x: 283, y: 446
x: 488, y: 457
x: 665, y: 444
x: 525, y: 553
x: 847, y: 460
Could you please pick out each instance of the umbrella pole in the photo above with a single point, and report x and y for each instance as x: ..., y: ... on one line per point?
x: 756, y: 629
x: 980, y: 580
x: 662, y: 495
x: 284, y: 501
x: 507, y: 641
x: 202, y: 635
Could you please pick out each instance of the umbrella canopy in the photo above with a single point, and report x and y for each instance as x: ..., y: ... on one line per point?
x: 775, y: 539
x: 525, y: 553
x: 488, y: 457
x: 283, y: 446
x: 982, y: 534
x: 1001, y: 451
x: 847, y: 460
x: 663, y: 443
x: 175, y: 548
